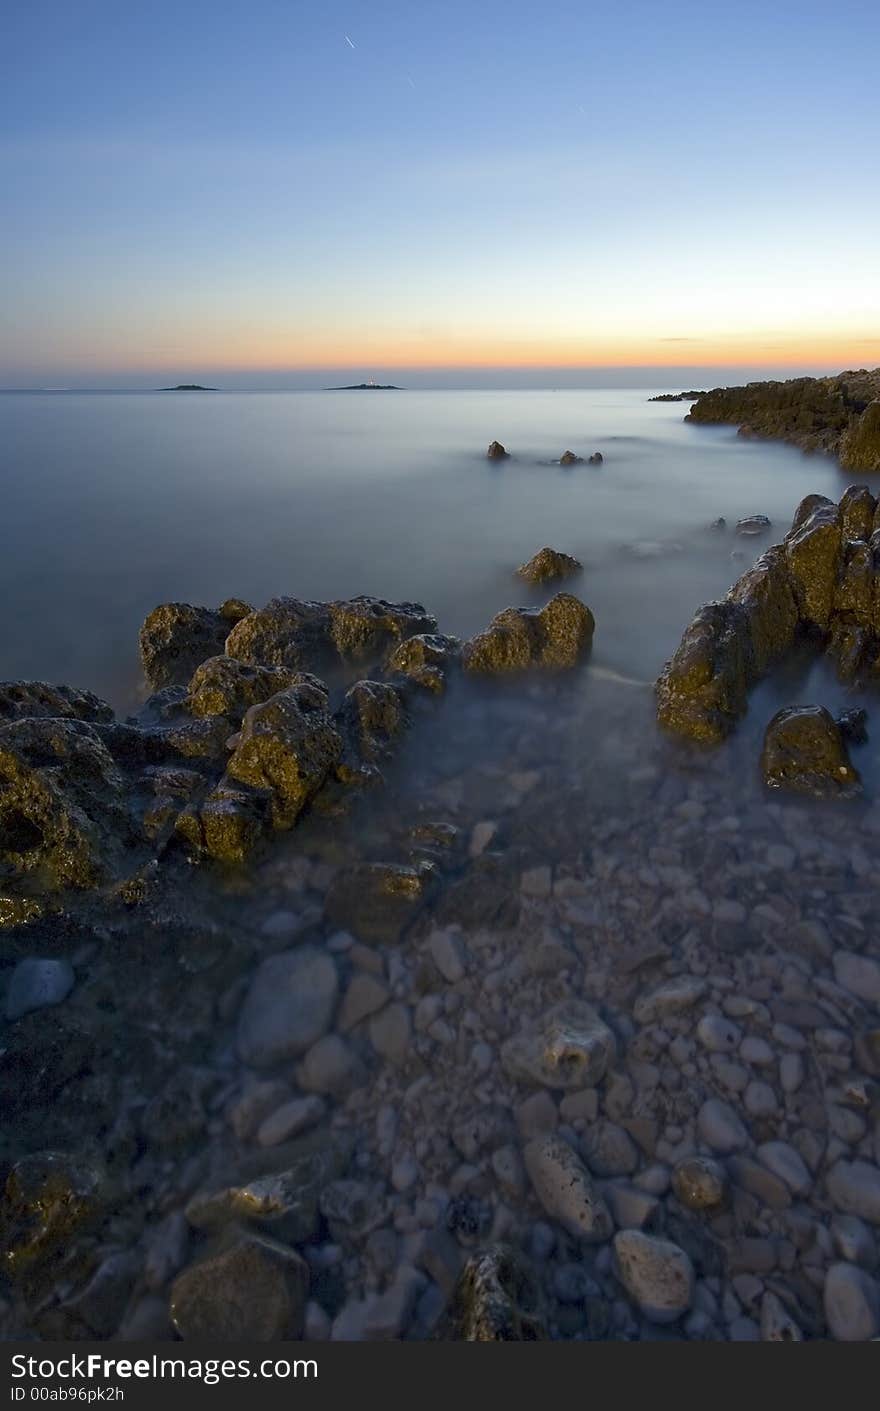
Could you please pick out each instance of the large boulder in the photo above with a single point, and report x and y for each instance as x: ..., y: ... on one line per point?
x: 555, y: 637
x: 287, y: 746
x: 425, y: 659
x: 224, y: 686
x: 299, y: 635
x: 857, y: 508
x: 860, y: 444
x: 30, y: 700
x: 370, y: 719
x: 63, y: 809
x: 805, y: 752
x: 766, y: 597
x: 813, y: 553
x: 702, y: 691
x: 176, y: 638
x: 549, y: 564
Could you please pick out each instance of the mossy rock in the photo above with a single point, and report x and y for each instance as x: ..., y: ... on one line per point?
x: 805, y: 753
x: 860, y: 446
x: 177, y: 637
x: 287, y: 746
x: 555, y: 637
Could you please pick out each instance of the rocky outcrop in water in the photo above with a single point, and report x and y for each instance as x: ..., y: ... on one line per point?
x: 549, y: 564
x: 819, y: 585
x: 840, y: 415
x: 805, y: 752
x: 555, y: 637
x: 496, y: 452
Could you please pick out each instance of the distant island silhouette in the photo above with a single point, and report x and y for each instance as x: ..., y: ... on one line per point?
x: 366, y: 387
x: 186, y: 387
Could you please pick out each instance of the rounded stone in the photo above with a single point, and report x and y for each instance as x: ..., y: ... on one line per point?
x: 788, y: 1164
x: 852, y: 1304
x: 288, y: 1007
x: 657, y: 1275
x: 720, y: 1128
x: 565, y: 1189
x: 699, y: 1183
x: 37, y: 984
x: 717, y: 1034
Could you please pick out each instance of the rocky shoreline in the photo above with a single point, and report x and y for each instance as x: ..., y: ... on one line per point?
x: 565, y: 1042
x: 838, y: 415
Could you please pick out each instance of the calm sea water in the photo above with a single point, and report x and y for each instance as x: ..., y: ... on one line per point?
x: 113, y: 503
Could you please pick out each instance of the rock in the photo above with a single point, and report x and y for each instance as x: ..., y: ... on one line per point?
x: 673, y: 997
x: 95, y: 1309
x: 853, y: 725
x: 759, y: 1099
x: 657, y: 1275
x: 702, y: 690
x: 49, y: 1197
x: 166, y: 1251
x: 35, y: 700
x: 331, y: 1066
x: 755, y: 524
x: 720, y: 1128
x: 699, y: 1183
x: 223, y: 686
x: 63, y: 807
x: 804, y: 752
x: 391, y: 1033
x: 425, y: 659
x: 718, y: 524
x: 717, y: 1034
x: 288, y: 746
x: 254, y: 1290
x: 370, y: 719
x: 860, y: 443
x: 364, y: 996
x: 569, y: 458
x: 596, y: 458
x: 859, y: 974
x: 571, y: 1047
x: 378, y: 901
x: 496, y: 1299
x: 496, y: 452
x: 448, y: 954
x: 777, y: 1324
x: 853, y: 1241
x: 176, y: 638
x: 556, y: 637
x: 37, y: 984
x: 813, y: 554
x: 288, y: 1007
x: 788, y: 1164
x: 852, y: 1304
x: 310, y: 636
x: 290, y: 1120
x: 547, y: 565
x: 283, y: 1204
x: 226, y: 825
x: 854, y: 1188
x: 565, y: 1189
x: 609, y: 1150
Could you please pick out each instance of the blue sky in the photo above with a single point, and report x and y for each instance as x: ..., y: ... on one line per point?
x: 270, y: 194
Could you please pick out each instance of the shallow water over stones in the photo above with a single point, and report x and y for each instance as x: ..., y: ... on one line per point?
x: 583, y: 1041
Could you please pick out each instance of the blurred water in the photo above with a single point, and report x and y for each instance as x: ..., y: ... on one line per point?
x: 115, y: 502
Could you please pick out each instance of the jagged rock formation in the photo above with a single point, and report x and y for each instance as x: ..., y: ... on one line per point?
x: 518, y: 639
x: 840, y: 415
x: 821, y: 583
x: 548, y: 564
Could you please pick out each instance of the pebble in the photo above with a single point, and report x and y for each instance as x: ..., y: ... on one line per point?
x: 760, y: 1100
x: 37, y: 984
x: 290, y: 1120
x: 859, y: 974
x: 720, y: 1128
x: 852, y: 1304
x: 609, y: 1151
x: 756, y: 1051
x: 330, y: 1067
x: 482, y: 835
x: 699, y: 1183
x: 404, y: 1171
x: 448, y: 954
x: 671, y: 998
x: 391, y: 1032
x: 657, y: 1275
x: 853, y: 1241
x: 364, y: 996
x: 537, y: 1114
x: 288, y: 1007
x: 717, y: 1034
x: 565, y: 1189
x: 777, y: 1324
x: 788, y: 1164
x: 536, y: 882
x: 791, y: 1072
x: 854, y: 1188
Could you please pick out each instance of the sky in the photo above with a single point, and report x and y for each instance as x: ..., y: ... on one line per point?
x: 277, y: 194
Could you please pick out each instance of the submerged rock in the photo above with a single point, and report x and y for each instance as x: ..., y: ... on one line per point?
x: 569, y: 458
x: 657, y: 1275
x: 596, y: 458
x: 555, y: 637
x: 569, y: 1048
x: 288, y: 1007
x: 48, y: 1198
x: 755, y: 524
x: 496, y: 452
x: 566, y: 1190
x: 254, y: 1289
x: 548, y: 564
x: 378, y: 901
x: 37, y: 984
x: 496, y: 1299
x: 298, y: 635
x: 176, y: 638
x: 805, y: 752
